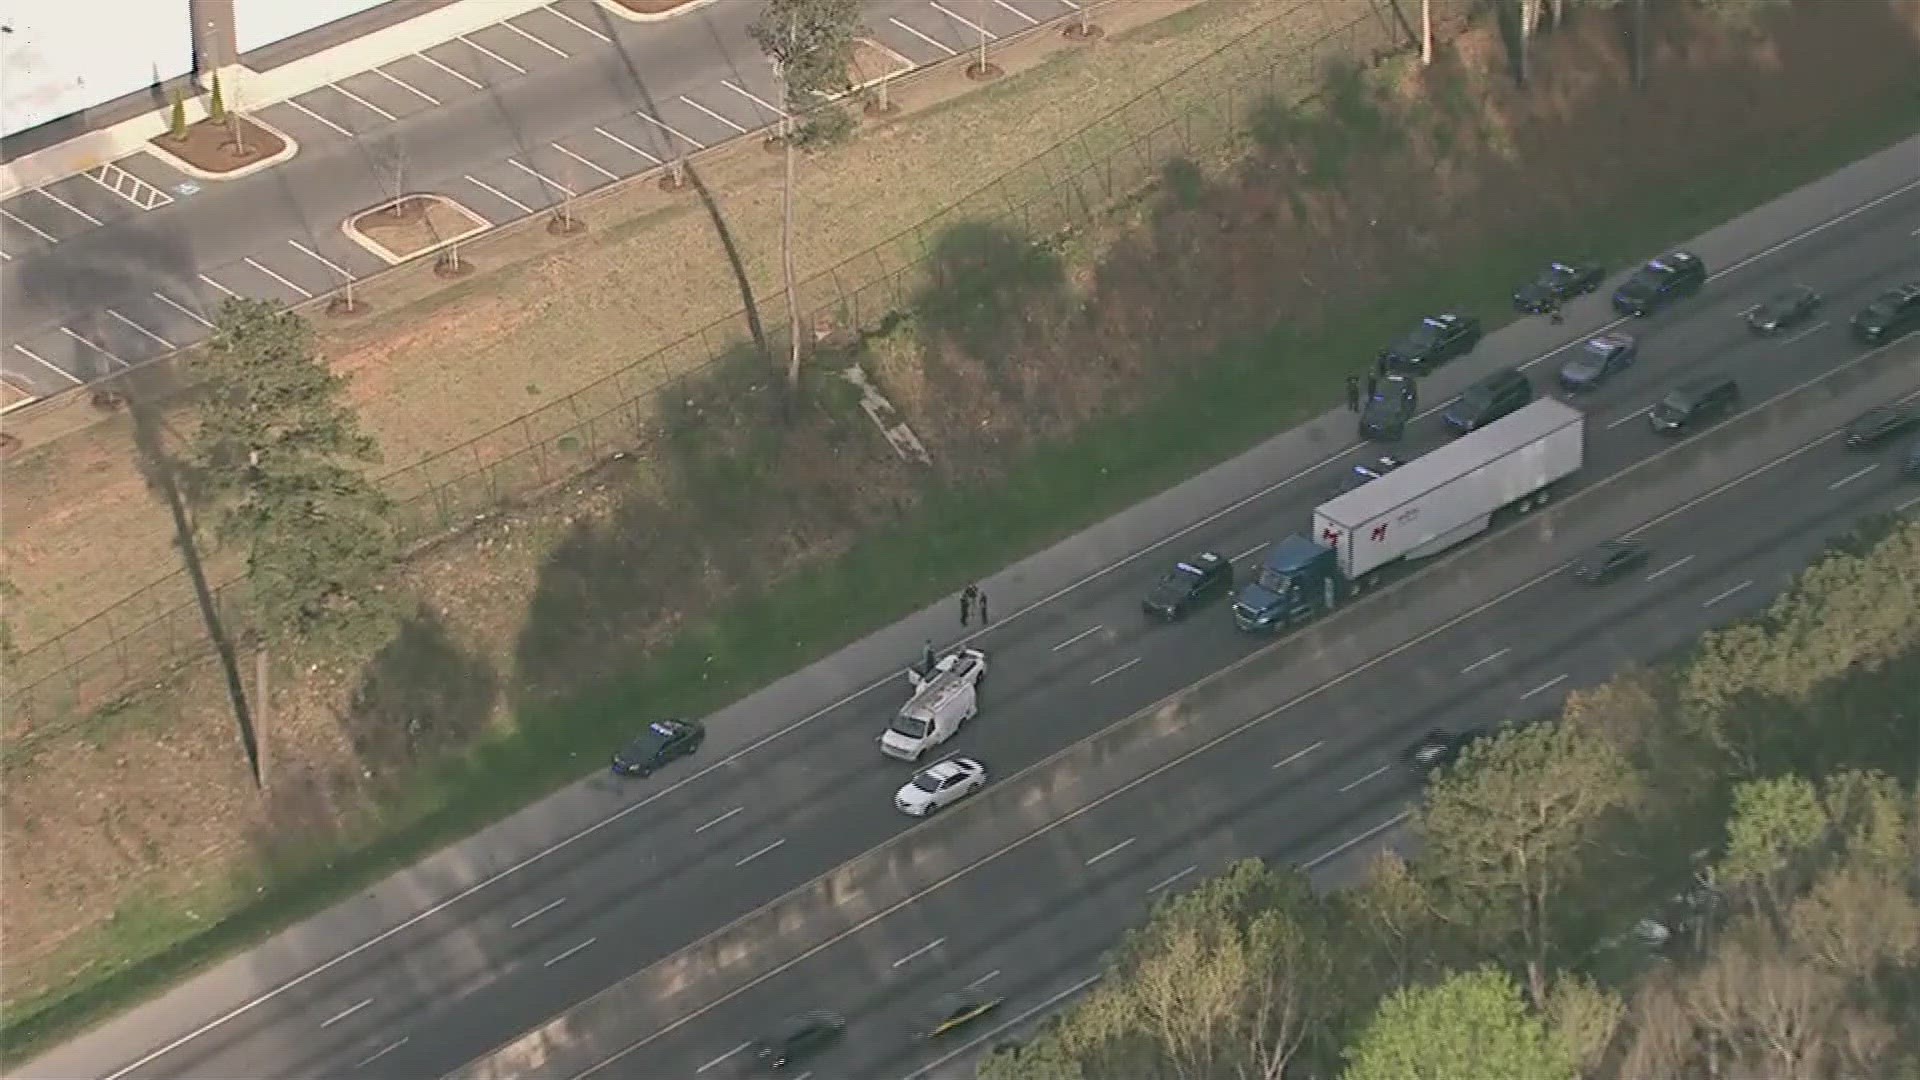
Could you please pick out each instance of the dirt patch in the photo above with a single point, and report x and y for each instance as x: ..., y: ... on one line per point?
x: 409, y: 226
x: 222, y: 147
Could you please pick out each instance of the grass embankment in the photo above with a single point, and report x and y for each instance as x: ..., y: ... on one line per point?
x: 954, y: 532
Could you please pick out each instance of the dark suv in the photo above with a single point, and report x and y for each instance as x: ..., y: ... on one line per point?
x: 1503, y: 392
x: 1891, y: 314
x: 663, y: 742
x: 1669, y: 277
x: 1696, y: 400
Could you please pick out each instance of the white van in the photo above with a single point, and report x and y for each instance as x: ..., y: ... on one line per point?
x: 941, y: 702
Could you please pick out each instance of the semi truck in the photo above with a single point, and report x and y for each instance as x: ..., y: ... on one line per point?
x: 1419, y: 509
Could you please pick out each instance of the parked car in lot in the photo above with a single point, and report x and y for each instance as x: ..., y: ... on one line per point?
x: 662, y: 743
x: 1558, y: 283
x: 1502, y: 393
x: 1609, y: 561
x: 1598, y: 359
x: 1783, y: 310
x: 1659, y: 282
x: 1881, y: 425
x: 1436, y: 340
x: 1889, y: 315
x: 1693, y: 402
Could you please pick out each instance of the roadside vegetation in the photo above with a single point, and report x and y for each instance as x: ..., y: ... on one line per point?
x: 754, y: 526
x: 1709, y: 867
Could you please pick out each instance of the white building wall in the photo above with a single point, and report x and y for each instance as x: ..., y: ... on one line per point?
x: 259, y: 23
x: 58, y: 57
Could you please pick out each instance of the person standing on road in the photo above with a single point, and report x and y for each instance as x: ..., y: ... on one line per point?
x: 1553, y: 311
x: 968, y: 597
x: 926, y: 659
x: 980, y: 601
x: 1353, y: 393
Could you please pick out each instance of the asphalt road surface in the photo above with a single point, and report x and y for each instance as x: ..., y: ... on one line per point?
x: 1296, y: 788
x: 449, y: 988
x: 104, y: 270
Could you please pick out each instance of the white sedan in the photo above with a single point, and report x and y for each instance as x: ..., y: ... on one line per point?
x: 938, y: 785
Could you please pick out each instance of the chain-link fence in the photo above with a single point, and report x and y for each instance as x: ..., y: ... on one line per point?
x: 1200, y: 113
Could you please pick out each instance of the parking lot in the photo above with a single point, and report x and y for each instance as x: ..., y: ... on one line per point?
x: 731, y: 99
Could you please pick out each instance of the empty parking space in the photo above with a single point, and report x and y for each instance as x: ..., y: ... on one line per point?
x: 632, y: 137
x: 518, y: 51
x: 306, y: 125
x: 95, y: 202
x: 113, y: 343
x: 570, y: 26
x: 44, y: 362
x: 33, y: 214
x: 258, y: 277
x: 334, y: 256
x: 19, y: 237
x: 384, y: 95
x: 476, y: 65
x: 502, y: 192
x: 434, y: 76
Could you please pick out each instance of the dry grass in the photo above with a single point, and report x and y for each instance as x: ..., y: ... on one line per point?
x: 436, y: 365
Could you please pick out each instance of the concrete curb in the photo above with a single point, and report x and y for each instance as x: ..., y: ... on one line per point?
x: 392, y: 258
x: 175, y: 161
x: 621, y: 11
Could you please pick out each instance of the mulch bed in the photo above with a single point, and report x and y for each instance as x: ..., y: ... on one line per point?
x: 210, y: 146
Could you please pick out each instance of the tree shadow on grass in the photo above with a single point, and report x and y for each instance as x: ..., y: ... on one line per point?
x: 420, y: 697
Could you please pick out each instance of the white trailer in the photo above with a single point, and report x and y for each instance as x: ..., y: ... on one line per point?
x: 1439, y: 499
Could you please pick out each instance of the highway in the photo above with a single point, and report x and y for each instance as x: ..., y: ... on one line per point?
x: 695, y: 856
x: 98, y: 274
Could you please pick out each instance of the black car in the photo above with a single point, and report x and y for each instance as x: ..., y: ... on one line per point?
x: 1440, y: 748
x: 1877, y: 426
x: 1189, y: 583
x: 1361, y: 475
x: 955, y: 1011
x: 1609, y: 561
x: 1599, y: 358
x: 1669, y: 277
x: 658, y: 746
x: 1785, y: 309
x: 1558, y: 283
x: 799, y: 1037
x: 1436, y: 340
x: 1891, y: 314
x: 1704, y: 398
x: 1385, y: 414
x: 1499, y: 394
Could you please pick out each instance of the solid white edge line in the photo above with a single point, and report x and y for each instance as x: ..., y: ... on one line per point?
x: 619, y: 815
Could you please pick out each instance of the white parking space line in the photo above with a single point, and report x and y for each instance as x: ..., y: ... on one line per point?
x: 689, y: 101
x: 1370, y: 776
x: 554, y: 49
x: 577, y: 948
x: 1544, y: 687
x: 942, y: 46
x: 1166, y: 882
x: 1115, y: 671
x: 141, y: 329
x: 669, y: 129
x: 761, y: 852
x: 1347, y: 844
x: 4, y: 257
x: 29, y: 226
x: 753, y: 97
x: 577, y: 24
x: 303, y: 249
x: 718, y: 820
x: 38, y: 359
x: 250, y: 262
x: 316, y: 116
x: 536, y: 913
x: 128, y: 186
x: 1814, y: 329
x: 608, y: 173
x: 497, y: 193
x: 360, y: 101
x: 1254, y: 550
x: 408, y: 87
x: 1485, y: 660
x: 722, y: 1058
x: 463, y: 78
x: 1629, y: 418
x: 1081, y: 636
x: 1114, y: 850
x: 1735, y: 591
x: 1670, y: 568
x: 555, y: 184
x: 484, y: 51
x: 1031, y: 21
x: 973, y: 26
x: 96, y: 348
x: 1298, y: 754
x: 984, y: 979
x: 1851, y: 477
x: 65, y: 205
x: 628, y: 145
x: 382, y: 1052
x: 919, y: 952
x: 217, y: 285
x: 344, y: 1013
x: 1071, y: 4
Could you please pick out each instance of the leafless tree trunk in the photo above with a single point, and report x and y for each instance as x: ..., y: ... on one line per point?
x: 789, y: 137
x: 1529, y: 21
x: 260, y: 710
x: 1639, y: 43
x: 1426, y: 33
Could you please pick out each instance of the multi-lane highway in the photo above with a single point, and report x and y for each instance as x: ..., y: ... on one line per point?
x: 706, y: 850
x: 104, y: 270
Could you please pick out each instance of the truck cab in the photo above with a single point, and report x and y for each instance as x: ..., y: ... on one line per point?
x: 943, y: 699
x: 1297, y: 580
